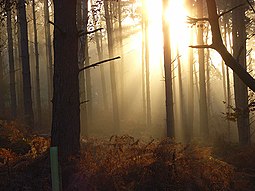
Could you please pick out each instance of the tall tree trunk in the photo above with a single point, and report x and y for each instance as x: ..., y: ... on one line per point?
x: 87, y: 72
x: 143, y: 64
x: 168, y: 74
x: 28, y: 110
x: 122, y: 106
x: 99, y: 46
x: 48, y: 49
x: 147, y: 73
x: 19, y: 68
x: 188, y: 133
x: 37, y: 70
x: 204, y: 130
x: 183, y: 113
x: 66, y: 104
x: 82, y: 14
x: 116, y: 119
x: 11, y: 63
x: 240, y: 89
x: 226, y: 80
x: 2, y: 104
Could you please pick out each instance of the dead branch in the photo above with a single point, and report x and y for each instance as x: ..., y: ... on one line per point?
x: 98, y: 63
x: 82, y: 32
x: 201, y: 46
x: 193, y: 20
x: 82, y: 102
x: 57, y: 27
x: 225, y: 12
x: 251, y: 6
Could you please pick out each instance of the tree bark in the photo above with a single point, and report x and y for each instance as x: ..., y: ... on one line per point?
x: 66, y: 104
x: 28, y: 110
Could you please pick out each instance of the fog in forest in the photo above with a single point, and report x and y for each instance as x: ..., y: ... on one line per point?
x: 139, y: 73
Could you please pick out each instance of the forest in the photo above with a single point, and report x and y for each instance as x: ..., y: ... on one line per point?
x: 127, y: 95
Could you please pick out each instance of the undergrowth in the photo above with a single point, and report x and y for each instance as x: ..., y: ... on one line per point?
x: 125, y: 163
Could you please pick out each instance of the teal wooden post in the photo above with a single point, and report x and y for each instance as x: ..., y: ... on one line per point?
x: 54, y: 169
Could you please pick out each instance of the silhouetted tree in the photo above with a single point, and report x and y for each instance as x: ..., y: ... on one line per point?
x: 168, y: 74
x: 217, y: 44
x: 66, y: 104
x: 240, y: 89
x: 203, y: 113
x: 37, y: 68
x: 109, y: 27
x: 28, y: 110
x: 48, y: 50
x: 13, y: 96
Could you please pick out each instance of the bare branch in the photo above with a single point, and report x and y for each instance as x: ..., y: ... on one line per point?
x: 193, y: 20
x: 82, y: 32
x: 251, y: 6
x: 225, y: 12
x: 86, y: 101
x: 201, y: 46
x: 98, y: 63
x: 57, y: 27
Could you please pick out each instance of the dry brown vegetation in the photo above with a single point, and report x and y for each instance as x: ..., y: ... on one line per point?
x: 125, y: 163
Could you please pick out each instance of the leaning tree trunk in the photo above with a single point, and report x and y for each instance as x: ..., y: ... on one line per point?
x: 28, y: 110
x: 11, y: 64
x: 66, y: 104
x: 168, y: 75
x: 37, y: 70
x: 230, y: 61
x: 240, y: 89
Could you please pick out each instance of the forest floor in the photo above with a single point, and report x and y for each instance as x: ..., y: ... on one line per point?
x: 126, y: 163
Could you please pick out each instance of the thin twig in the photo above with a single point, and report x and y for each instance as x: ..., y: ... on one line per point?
x: 82, y: 32
x: 86, y: 101
x: 251, y: 5
x: 201, y: 46
x: 225, y: 12
x: 98, y: 63
x: 57, y: 27
x: 193, y: 20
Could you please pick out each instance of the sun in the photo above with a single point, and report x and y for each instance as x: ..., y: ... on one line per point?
x: 179, y: 31
x: 177, y: 17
